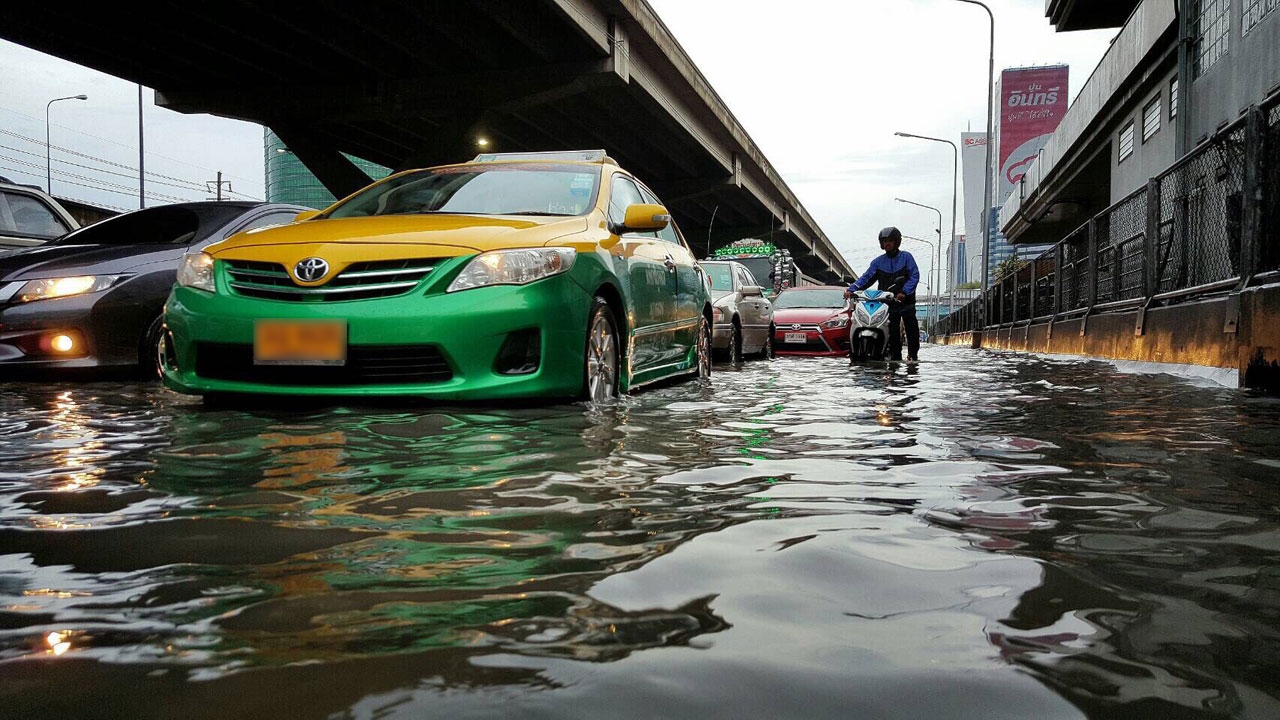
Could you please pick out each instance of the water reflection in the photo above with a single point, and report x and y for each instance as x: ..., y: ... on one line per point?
x: 1013, y: 537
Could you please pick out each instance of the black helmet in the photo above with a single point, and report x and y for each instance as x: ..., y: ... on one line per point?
x: 890, y: 233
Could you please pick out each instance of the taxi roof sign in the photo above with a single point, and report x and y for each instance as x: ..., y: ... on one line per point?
x: 590, y: 156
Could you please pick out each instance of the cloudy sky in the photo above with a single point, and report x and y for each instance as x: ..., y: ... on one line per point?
x: 821, y: 85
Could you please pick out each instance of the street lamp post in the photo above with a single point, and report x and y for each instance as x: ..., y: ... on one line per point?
x: 986, y: 186
x: 937, y: 265
x: 955, y: 172
x: 48, y: 161
x: 931, y: 269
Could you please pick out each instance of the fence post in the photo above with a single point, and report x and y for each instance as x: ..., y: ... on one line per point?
x: 1031, y: 299
x: 1057, y: 277
x: 1014, y: 295
x: 1151, y: 240
x: 1255, y: 132
x: 1091, y: 256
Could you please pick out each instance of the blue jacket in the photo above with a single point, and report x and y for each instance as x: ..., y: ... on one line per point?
x: 897, y: 274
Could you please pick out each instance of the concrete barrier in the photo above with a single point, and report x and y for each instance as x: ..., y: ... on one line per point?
x: 1191, y: 333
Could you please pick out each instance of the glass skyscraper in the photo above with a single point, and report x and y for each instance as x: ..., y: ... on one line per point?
x: 289, y: 181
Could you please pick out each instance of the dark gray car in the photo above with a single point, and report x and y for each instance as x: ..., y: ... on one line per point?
x: 93, y: 298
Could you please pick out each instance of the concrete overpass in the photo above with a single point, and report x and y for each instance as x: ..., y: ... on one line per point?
x: 415, y: 84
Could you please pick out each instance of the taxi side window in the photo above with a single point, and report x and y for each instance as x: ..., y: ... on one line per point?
x: 623, y: 194
x: 667, y: 233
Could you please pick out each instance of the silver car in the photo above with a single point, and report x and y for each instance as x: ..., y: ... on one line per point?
x: 743, y: 317
x: 28, y: 217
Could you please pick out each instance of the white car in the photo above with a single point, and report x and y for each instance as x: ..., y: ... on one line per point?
x: 29, y: 217
x: 742, y: 316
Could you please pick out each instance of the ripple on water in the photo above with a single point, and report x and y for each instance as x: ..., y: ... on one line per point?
x: 984, y: 535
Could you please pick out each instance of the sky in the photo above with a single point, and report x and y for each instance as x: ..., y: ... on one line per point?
x: 820, y: 85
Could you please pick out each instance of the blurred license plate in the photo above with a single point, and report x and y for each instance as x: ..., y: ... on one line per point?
x: 300, y: 342
x: 796, y: 337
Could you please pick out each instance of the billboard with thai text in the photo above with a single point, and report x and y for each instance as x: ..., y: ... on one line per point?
x: 1032, y: 103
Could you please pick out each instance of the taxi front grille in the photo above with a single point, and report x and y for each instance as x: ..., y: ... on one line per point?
x: 365, y: 365
x: 358, y: 281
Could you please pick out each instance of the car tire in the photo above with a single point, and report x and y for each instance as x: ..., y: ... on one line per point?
x: 149, y: 349
x: 704, y: 349
x: 601, y: 356
x: 735, y: 345
x: 766, y: 350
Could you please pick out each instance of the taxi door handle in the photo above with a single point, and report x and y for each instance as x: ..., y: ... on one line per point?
x: 670, y: 263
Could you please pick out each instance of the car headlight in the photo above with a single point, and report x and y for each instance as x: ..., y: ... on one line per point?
x: 513, y: 267
x: 49, y: 288
x: 196, y: 271
x: 837, y: 322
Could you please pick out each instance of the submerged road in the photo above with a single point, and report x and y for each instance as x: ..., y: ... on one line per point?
x: 984, y: 536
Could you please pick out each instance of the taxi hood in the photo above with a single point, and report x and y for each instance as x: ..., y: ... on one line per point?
x: 464, y: 234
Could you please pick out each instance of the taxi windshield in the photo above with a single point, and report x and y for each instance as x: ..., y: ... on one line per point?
x: 721, y: 277
x: 810, y: 299
x: 500, y: 189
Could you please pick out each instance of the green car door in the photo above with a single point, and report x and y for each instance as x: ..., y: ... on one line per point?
x: 652, y: 287
x: 690, y: 288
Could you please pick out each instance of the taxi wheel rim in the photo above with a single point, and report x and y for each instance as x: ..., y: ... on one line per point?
x: 602, y: 360
x: 704, y: 350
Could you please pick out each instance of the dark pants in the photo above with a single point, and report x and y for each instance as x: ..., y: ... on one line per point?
x: 907, y: 312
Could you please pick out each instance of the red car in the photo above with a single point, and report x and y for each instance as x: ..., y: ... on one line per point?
x: 811, y: 320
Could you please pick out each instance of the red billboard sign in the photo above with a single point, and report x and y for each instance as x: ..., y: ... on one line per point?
x: 1032, y: 103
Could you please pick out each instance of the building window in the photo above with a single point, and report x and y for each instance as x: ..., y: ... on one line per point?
x: 1211, y: 29
x: 1173, y: 99
x: 1126, y: 142
x: 1151, y: 119
x: 1255, y: 11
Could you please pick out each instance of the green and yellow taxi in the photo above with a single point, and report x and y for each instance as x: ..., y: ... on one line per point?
x: 535, y: 275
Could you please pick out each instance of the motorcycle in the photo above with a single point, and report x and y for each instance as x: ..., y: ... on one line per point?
x: 869, y: 325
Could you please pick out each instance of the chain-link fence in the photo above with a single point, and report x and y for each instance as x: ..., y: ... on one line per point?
x: 1183, y: 234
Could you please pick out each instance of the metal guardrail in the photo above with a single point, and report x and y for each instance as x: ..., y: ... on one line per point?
x: 1201, y: 226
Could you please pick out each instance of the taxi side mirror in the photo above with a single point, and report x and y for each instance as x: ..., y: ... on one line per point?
x: 643, y: 216
x: 752, y: 291
x: 305, y: 215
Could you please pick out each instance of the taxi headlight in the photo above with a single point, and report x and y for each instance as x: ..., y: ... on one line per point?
x: 513, y: 267
x: 196, y: 271
x: 49, y: 288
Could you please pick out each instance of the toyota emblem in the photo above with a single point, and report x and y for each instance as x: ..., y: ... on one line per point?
x: 795, y: 327
x: 310, y: 269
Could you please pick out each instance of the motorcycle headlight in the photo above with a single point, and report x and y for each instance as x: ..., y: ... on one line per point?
x: 880, y: 315
x: 864, y: 317
x: 49, y: 288
x: 837, y: 322
x: 196, y: 271
x: 513, y: 267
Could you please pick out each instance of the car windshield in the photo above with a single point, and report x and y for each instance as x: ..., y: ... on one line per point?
x: 721, y: 276
x: 810, y: 299
x: 506, y: 189
x: 761, y: 269
x: 162, y: 225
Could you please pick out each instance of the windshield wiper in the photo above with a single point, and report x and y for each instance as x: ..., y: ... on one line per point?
x: 537, y: 213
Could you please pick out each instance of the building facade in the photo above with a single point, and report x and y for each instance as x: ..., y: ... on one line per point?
x: 289, y: 181
x: 1177, y: 73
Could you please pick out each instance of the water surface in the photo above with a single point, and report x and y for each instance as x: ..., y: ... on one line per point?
x: 984, y: 536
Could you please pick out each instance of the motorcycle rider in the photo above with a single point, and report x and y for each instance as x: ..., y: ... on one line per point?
x: 895, y: 272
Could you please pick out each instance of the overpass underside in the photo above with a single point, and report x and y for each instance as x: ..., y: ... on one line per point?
x: 417, y: 84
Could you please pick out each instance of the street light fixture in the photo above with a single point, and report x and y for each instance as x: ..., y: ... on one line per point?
x: 955, y: 172
x: 48, y: 162
x: 988, y: 171
x: 937, y: 265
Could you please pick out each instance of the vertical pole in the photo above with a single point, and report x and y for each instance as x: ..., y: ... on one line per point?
x: 1057, y: 277
x: 1031, y: 305
x: 951, y: 264
x: 1091, y: 258
x: 218, y: 194
x: 1151, y: 241
x: 142, y: 182
x: 48, y: 161
x: 1251, y: 237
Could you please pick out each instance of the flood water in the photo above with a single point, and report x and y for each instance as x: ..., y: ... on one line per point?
x: 984, y: 536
